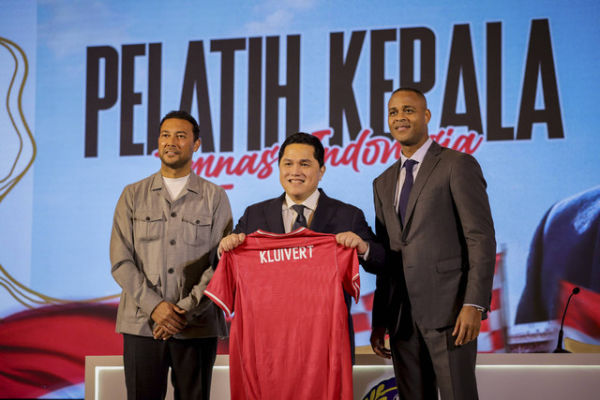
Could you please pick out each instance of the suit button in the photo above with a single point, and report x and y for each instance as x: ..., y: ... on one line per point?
x: 173, y: 214
x: 170, y: 270
x: 404, y: 243
x: 172, y: 242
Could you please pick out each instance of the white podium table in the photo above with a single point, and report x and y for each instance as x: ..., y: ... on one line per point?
x: 500, y: 376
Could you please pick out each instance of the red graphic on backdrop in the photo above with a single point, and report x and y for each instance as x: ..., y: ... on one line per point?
x: 365, y: 150
x: 583, y: 313
x: 44, y: 349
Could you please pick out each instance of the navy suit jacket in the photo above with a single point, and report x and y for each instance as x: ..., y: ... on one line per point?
x: 331, y: 216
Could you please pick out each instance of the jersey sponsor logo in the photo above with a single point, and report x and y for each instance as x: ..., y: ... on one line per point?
x: 286, y: 254
x: 384, y: 390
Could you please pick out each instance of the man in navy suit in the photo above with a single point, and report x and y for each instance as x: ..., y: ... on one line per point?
x: 301, y: 167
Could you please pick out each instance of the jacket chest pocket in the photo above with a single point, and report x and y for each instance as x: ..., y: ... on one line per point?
x: 148, y: 225
x: 196, y: 229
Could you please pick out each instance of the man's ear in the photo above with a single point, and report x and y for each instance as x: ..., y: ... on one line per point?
x: 322, y: 171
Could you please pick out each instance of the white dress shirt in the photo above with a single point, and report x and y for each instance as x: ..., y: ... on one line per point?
x: 289, y: 214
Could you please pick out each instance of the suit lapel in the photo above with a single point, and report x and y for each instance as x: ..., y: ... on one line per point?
x: 429, y: 162
x: 272, y: 215
x: 388, y: 185
x: 323, y: 214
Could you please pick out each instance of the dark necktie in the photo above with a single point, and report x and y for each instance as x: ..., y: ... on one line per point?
x: 300, y: 219
x: 406, y: 187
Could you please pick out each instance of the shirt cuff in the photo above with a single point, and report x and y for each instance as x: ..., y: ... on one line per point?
x: 479, y: 308
x: 365, y: 256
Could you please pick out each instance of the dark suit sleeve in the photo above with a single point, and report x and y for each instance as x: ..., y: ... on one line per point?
x: 468, y: 189
x: 376, y: 256
x: 242, y: 225
x: 382, y: 289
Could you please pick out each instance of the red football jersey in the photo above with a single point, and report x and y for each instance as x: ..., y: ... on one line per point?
x: 289, y: 336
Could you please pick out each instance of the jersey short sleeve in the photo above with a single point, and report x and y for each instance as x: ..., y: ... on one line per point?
x: 348, y: 263
x: 221, y: 289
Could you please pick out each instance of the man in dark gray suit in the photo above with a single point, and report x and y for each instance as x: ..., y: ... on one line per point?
x: 433, y: 217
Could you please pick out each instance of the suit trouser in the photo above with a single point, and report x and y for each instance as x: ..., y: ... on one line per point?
x: 147, y: 361
x: 425, y: 359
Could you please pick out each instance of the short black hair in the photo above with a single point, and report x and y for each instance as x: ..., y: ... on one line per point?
x: 410, y: 89
x: 180, y: 114
x: 305, y: 138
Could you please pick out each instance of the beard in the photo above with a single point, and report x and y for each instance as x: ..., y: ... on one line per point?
x: 174, y: 164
